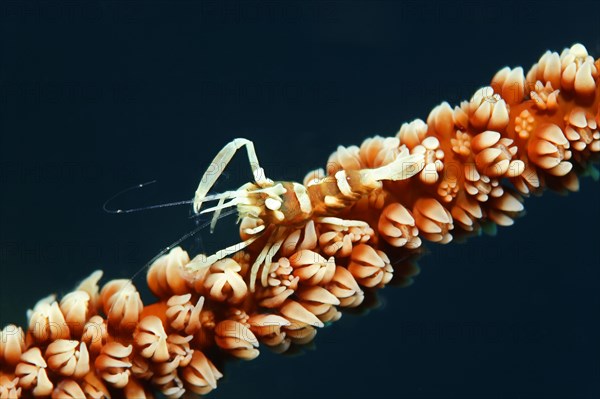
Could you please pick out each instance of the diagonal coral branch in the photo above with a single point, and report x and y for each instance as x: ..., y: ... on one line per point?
x: 315, y: 250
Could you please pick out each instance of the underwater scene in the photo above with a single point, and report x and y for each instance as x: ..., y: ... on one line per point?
x: 299, y: 199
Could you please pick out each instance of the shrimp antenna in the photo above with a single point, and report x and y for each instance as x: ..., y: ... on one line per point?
x: 184, y: 237
x: 107, y: 209
x: 168, y: 248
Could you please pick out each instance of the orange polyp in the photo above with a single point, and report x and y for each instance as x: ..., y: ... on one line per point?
x: 158, y: 309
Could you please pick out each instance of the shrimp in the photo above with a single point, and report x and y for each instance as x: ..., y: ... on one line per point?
x: 284, y: 206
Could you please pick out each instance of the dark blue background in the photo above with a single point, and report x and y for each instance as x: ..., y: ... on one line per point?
x: 99, y: 96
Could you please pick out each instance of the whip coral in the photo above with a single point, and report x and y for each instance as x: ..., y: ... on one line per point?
x: 310, y: 251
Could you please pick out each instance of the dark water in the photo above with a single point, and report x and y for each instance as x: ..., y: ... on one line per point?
x: 105, y: 95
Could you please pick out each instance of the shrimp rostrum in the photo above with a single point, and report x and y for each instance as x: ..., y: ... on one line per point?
x: 281, y: 207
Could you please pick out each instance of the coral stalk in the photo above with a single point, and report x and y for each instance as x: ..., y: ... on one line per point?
x: 436, y: 180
